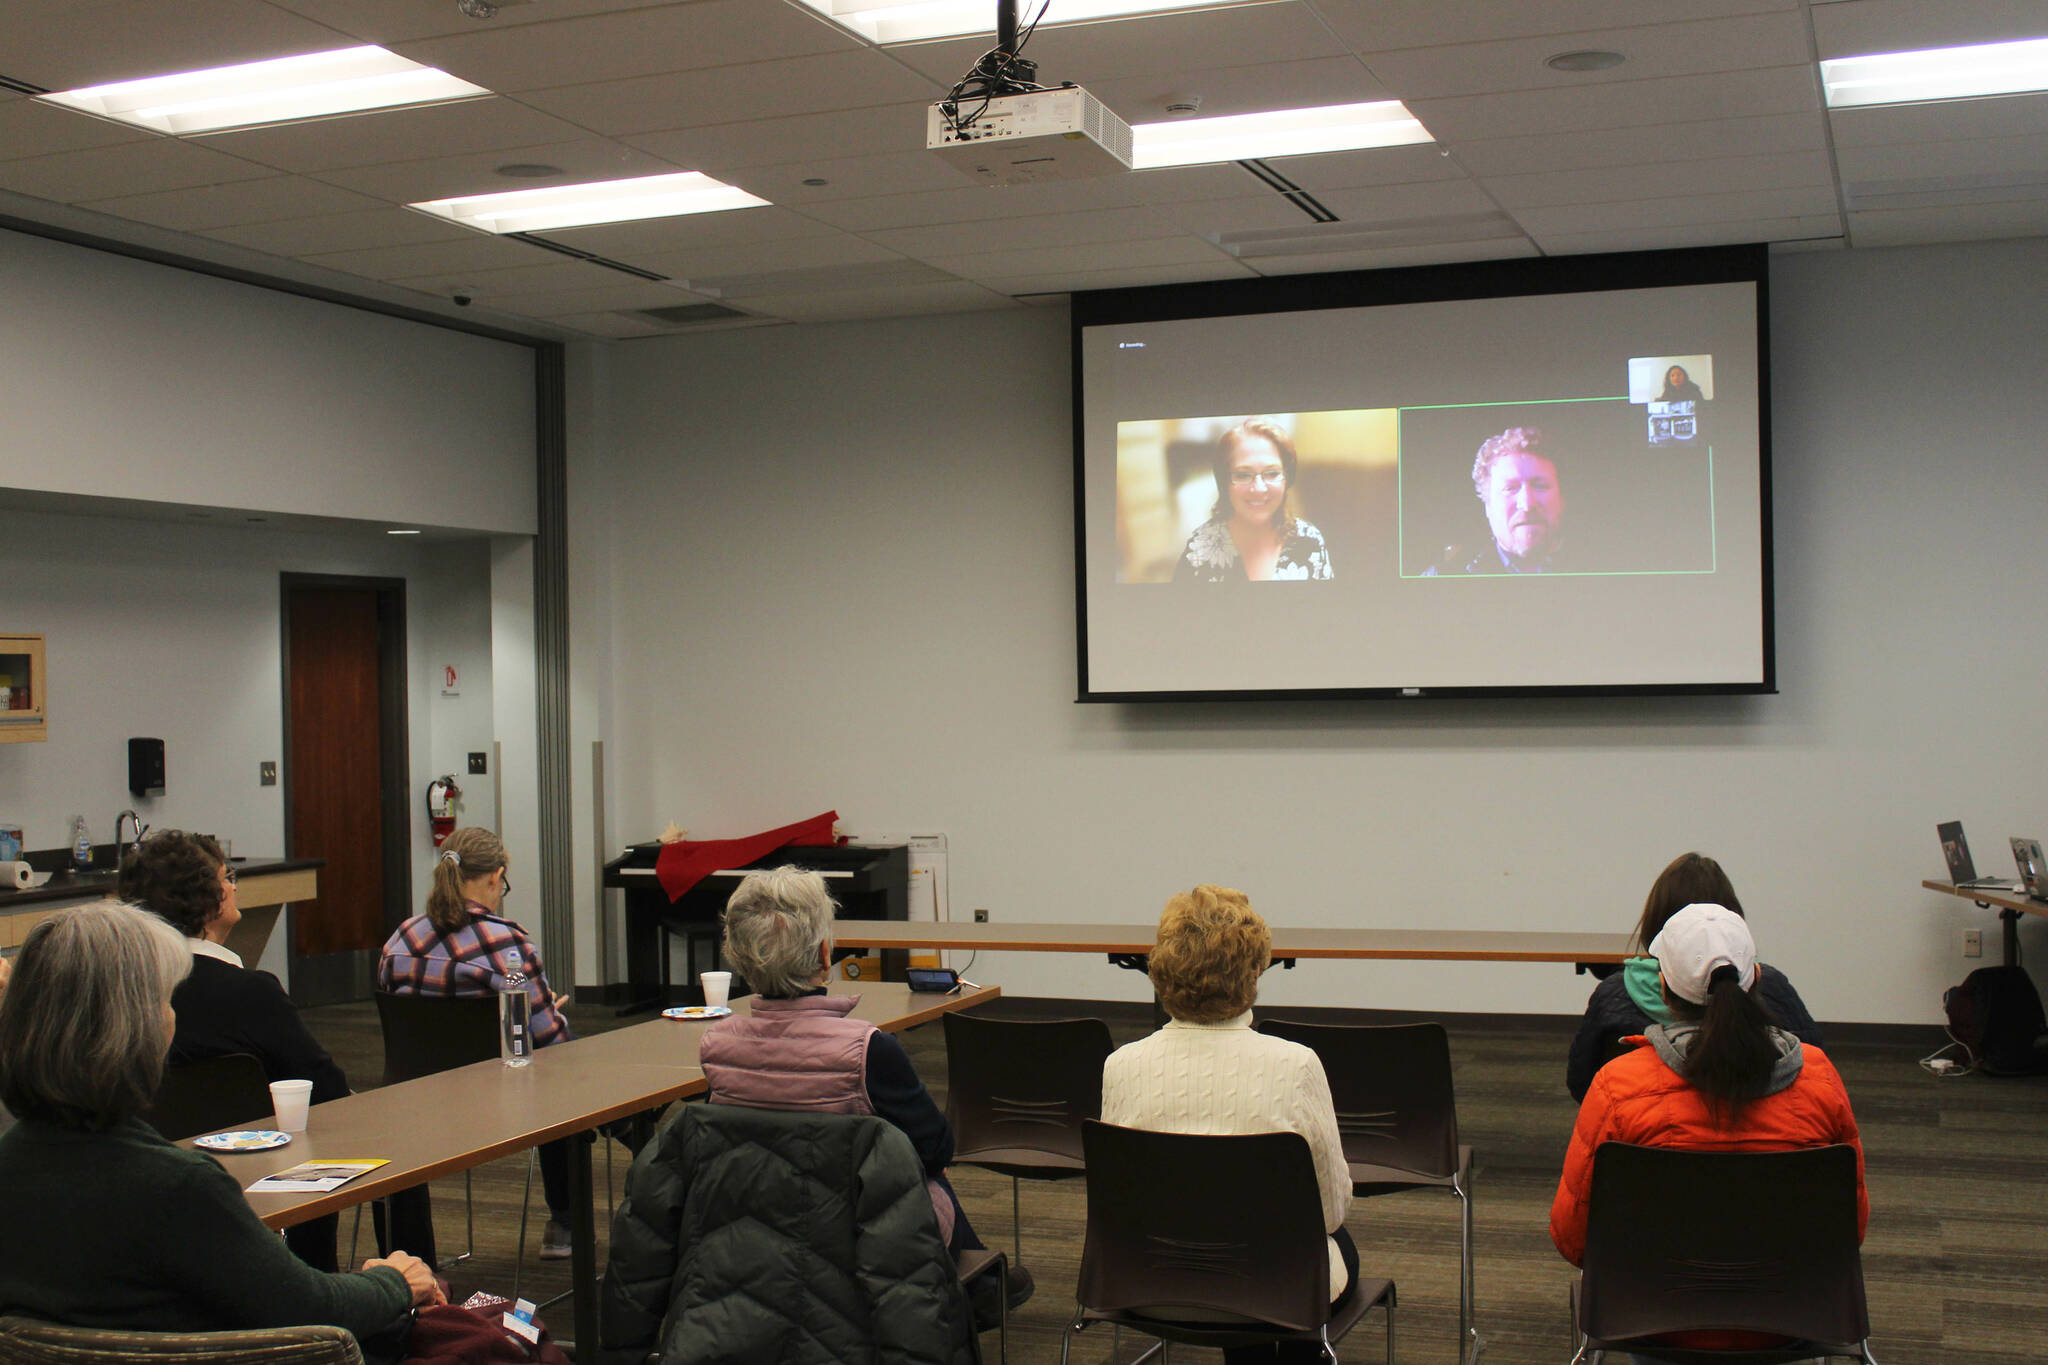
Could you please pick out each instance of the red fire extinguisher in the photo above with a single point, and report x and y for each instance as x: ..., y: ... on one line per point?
x: 442, y: 794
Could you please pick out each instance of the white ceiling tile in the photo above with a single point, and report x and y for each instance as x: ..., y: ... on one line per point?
x: 1264, y: 212
x: 1612, y: 184
x: 1657, y: 52
x: 1952, y: 223
x: 235, y: 203
x: 732, y: 94
x: 446, y: 177
x: 132, y: 168
x: 1392, y: 203
x: 763, y: 257
x: 1672, y: 142
x: 639, y: 42
x: 1133, y: 277
x: 657, y: 237
x: 1396, y: 257
x: 1677, y: 211
x: 1042, y: 260
x: 844, y: 305
x: 618, y: 326
x: 1377, y: 25
x: 1197, y: 40
x: 1623, y: 104
x: 868, y: 275
x: 554, y: 274
x: 983, y: 202
x: 778, y: 141
x: 477, y: 251
x: 439, y: 130
x: 612, y: 291
x: 1977, y: 157
x: 396, y: 21
x: 341, y: 232
x: 30, y: 128
x: 855, y: 177
x: 1815, y: 227
x: 1366, y: 168
x: 1943, y: 121
x: 1049, y: 230
x: 66, y: 44
x: 1852, y: 28
x: 1241, y: 89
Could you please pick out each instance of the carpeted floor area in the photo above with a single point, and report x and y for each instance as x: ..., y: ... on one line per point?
x: 1956, y: 1263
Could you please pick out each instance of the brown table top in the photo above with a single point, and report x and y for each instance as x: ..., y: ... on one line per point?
x: 457, y: 1119
x: 1457, y: 945
x: 2004, y: 900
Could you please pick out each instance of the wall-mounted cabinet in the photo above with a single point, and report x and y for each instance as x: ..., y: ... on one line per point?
x: 24, y: 714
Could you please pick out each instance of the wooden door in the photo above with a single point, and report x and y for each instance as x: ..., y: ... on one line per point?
x: 334, y: 766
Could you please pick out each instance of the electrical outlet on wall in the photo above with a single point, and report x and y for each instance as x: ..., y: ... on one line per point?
x: 981, y: 917
x: 1973, y: 943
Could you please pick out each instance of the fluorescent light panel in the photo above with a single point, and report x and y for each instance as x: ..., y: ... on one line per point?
x: 1940, y: 73
x: 911, y: 21
x: 285, y: 90
x: 1278, y: 132
x: 603, y: 201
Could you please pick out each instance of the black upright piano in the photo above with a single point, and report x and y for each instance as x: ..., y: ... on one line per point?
x: 869, y: 881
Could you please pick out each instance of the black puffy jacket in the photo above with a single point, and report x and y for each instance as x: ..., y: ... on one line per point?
x: 1612, y: 1014
x: 750, y: 1235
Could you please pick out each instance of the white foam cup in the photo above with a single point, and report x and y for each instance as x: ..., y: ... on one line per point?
x: 717, y: 987
x: 291, y: 1099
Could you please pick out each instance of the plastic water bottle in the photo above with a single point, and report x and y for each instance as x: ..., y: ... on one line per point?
x: 515, y: 1039
x: 81, y: 844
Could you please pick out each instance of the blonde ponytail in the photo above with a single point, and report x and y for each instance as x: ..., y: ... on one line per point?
x: 467, y: 854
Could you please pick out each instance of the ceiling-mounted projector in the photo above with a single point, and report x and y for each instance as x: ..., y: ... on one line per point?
x: 1031, y: 137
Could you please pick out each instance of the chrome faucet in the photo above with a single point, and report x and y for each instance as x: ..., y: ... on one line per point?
x: 140, y: 830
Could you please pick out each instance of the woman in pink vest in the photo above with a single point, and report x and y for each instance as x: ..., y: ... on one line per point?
x: 800, y: 1049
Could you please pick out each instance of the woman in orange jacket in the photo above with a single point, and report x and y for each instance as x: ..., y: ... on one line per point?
x: 1719, y: 1077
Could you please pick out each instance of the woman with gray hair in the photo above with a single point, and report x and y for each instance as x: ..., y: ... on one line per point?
x: 799, y: 1050
x: 132, y: 1231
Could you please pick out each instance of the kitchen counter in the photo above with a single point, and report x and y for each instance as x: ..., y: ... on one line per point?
x: 67, y: 885
x: 263, y: 887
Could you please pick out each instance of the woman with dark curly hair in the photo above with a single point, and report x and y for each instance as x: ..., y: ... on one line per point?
x: 1207, y: 1071
x: 225, y: 1008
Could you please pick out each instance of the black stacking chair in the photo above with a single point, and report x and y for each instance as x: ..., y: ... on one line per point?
x: 1017, y: 1092
x: 426, y: 1034
x: 1179, y: 1222
x: 1398, y: 1114
x: 210, y: 1094
x: 1777, y: 1254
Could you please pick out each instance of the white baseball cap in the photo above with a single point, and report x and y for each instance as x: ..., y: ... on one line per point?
x: 1696, y: 941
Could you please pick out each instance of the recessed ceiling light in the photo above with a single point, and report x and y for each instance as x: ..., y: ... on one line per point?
x: 1278, y: 132
x: 1589, y: 59
x: 285, y: 90
x: 911, y: 21
x: 603, y: 201
x: 401, y: 533
x: 528, y: 170
x: 1938, y: 73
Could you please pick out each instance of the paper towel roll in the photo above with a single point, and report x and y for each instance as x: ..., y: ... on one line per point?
x: 19, y: 876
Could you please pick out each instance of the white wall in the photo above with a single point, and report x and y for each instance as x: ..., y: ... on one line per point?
x: 134, y: 380
x: 843, y: 576
x: 173, y: 631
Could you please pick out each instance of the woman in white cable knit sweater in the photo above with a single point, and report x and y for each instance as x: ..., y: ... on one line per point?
x: 1208, y: 1072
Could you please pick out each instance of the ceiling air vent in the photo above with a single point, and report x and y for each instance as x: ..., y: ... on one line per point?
x: 688, y: 314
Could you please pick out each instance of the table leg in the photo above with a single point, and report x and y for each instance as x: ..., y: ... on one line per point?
x: 583, y: 1248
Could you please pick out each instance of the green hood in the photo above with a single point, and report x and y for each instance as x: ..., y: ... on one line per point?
x: 1646, y: 988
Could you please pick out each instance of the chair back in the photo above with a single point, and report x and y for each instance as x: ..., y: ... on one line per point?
x: 1775, y: 1250
x: 1180, y: 1221
x: 1391, y: 1084
x: 1023, y: 1084
x: 424, y: 1034
x: 25, y: 1341
x: 210, y: 1094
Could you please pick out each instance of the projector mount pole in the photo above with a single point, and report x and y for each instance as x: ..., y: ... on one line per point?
x: 1006, y: 28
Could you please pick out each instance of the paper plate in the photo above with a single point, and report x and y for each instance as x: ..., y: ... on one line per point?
x: 248, y: 1140
x: 697, y: 1012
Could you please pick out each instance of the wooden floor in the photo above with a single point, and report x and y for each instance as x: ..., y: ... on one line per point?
x: 1956, y: 1263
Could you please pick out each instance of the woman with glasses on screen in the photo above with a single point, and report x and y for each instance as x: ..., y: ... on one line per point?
x: 1249, y: 537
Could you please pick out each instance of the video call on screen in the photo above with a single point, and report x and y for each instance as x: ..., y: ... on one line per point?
x: 1522, y: 491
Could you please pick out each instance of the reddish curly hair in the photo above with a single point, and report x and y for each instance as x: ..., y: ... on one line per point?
x: 1211, y: 949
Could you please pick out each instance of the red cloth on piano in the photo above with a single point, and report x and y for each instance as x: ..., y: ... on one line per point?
x: 682, y: 864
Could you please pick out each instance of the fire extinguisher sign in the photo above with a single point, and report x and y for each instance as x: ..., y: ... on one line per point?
x: 450, y: 684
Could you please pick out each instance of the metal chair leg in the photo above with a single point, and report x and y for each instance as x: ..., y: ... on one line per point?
x: 1016, y: 1223
x: 1468, y: 1325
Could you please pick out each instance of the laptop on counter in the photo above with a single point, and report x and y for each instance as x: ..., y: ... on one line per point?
x: 2033, y: 868
x: 1955, y: 850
